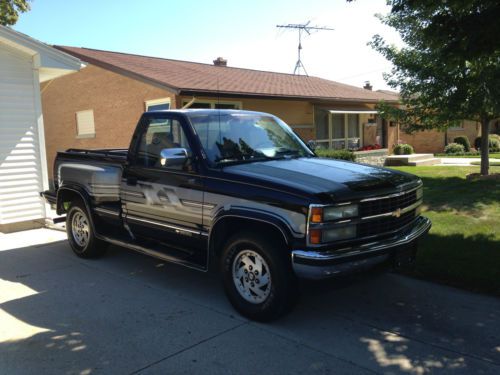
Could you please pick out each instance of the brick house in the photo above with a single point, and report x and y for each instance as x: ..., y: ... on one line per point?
x: 99, y: 106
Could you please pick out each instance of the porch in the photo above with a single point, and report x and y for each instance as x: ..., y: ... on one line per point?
x: 351, y: 128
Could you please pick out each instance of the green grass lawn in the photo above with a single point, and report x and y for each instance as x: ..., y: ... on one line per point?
x: 493, y: 155
x: 463, y: 246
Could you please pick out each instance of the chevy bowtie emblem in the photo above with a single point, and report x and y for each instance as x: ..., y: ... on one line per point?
x: 397, y: 213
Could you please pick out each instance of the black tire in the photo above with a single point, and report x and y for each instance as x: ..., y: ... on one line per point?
x: 278, y: 296
x: 81, y: 236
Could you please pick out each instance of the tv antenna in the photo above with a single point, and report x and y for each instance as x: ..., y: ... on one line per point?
x: 302, y: 28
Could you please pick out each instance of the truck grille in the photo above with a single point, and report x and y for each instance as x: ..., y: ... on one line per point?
x: 384, y: 205
x: 385, y: 224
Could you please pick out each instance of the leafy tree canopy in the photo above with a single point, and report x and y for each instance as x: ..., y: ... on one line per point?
x: 10, y: 9
x: 449, y: 67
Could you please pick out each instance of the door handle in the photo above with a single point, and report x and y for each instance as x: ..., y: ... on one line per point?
x: 132, y: 181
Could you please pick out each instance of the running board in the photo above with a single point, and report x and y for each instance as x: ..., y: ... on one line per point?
x: 152, y: 253
x: 60, y: 219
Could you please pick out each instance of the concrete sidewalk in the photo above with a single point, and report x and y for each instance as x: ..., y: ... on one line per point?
x: 462, y: 162
x: 127, y: 313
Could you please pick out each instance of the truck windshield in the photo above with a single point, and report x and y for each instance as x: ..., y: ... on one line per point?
x: 245, y: 137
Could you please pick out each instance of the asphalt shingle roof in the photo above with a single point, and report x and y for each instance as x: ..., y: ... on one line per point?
x: 186, y: 76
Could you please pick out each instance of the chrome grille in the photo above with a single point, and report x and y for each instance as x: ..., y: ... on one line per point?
x: 385, y: 224
x: 389, y: 204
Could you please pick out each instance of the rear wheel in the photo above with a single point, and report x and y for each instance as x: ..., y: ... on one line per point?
x: 81, y: 235
x: 258, y: 277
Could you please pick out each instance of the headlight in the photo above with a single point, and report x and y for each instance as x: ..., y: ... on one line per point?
x: 318, y: 236
x: 420, y: 193
x: 321, y: 214
x: 340, y: 212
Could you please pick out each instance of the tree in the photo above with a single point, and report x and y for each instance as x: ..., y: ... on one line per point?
x: 449, y: 68
x: 10, y: 9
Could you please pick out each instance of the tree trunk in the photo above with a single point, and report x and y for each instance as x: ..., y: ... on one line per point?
x: 485, y: 134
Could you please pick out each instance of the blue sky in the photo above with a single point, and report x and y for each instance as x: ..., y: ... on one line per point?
x: 244, y: 32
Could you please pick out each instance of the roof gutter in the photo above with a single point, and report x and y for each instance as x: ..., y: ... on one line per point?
x: 227, y: 94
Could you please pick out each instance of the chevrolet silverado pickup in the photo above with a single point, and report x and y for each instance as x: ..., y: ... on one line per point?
x: 239, y: 191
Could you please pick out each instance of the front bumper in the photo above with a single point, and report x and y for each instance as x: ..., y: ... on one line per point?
x: 320, y: 265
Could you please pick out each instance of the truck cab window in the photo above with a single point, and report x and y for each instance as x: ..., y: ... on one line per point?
x: 160, y: 133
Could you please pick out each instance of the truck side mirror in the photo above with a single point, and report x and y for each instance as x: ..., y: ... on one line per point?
x: 173, y: 157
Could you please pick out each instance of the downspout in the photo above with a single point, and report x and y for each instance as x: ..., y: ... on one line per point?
x: 189, y: 104
x: 46, y: 86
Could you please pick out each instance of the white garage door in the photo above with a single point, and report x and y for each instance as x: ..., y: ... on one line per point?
x: 20, y: 166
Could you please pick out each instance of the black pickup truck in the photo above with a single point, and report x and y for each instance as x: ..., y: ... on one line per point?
x: 237, y: 190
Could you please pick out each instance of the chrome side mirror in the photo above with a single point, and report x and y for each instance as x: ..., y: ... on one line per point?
x: 173, y: 157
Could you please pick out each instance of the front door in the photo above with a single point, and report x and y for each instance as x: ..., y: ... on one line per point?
x: 163, y: 204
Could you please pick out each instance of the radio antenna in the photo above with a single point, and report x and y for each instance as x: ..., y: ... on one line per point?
x: 302, y: 28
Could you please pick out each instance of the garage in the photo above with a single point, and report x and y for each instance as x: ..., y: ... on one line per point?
x: 24, y: 64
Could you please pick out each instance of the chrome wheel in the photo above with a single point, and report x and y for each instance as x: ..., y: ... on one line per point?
x: 251, y: 276
x: 80, y: 229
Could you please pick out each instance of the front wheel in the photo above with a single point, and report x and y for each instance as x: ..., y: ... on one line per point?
x: 258, y: 277
x: 80, y: 233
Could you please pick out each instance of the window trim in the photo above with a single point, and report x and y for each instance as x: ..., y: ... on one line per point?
x: 212, y: 102
x: 158, y: 101
x: 84, y: 135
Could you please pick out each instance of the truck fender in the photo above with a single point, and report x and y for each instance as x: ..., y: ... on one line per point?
x: 278, y: 225
x: 63, y: 192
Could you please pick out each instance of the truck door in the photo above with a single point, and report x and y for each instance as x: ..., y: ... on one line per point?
x: 162, y: 203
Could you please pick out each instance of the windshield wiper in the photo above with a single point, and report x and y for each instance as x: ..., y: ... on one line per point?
x: 287, y: 152
x: 233, y: 161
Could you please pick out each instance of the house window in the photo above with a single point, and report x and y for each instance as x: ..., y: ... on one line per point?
x: 212, y: 104
x: 85, y: 127
x: 157, y: 104
x: 459, y: 126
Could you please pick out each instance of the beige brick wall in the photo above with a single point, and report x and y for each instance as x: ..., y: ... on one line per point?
x: 428, y: 141
x: 433, y: 141
x: 117, y: 102
x: 471, y: 130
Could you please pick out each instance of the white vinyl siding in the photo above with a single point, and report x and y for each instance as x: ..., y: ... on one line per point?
x: 85, y: 127
x: 21, y: 177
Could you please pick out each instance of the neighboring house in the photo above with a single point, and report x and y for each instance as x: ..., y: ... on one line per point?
x: 24, y: 64
x: 99, y: 107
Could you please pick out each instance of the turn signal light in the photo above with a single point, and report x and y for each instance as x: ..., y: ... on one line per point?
x: 315, y: 236
x: 316, y: 214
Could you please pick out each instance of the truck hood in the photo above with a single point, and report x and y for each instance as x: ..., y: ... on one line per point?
x: 327, y: 178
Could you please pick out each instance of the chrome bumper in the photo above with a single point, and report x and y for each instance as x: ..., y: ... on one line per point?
x: 320, y: 265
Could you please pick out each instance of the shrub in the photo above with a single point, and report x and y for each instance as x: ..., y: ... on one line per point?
x: 454, y: 149
x: 403, y: 149
x: 336, y: 154
x: 464, y: 141
x: 493, y: 143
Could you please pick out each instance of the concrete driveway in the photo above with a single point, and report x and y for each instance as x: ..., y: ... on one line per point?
x: 127, y: 313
